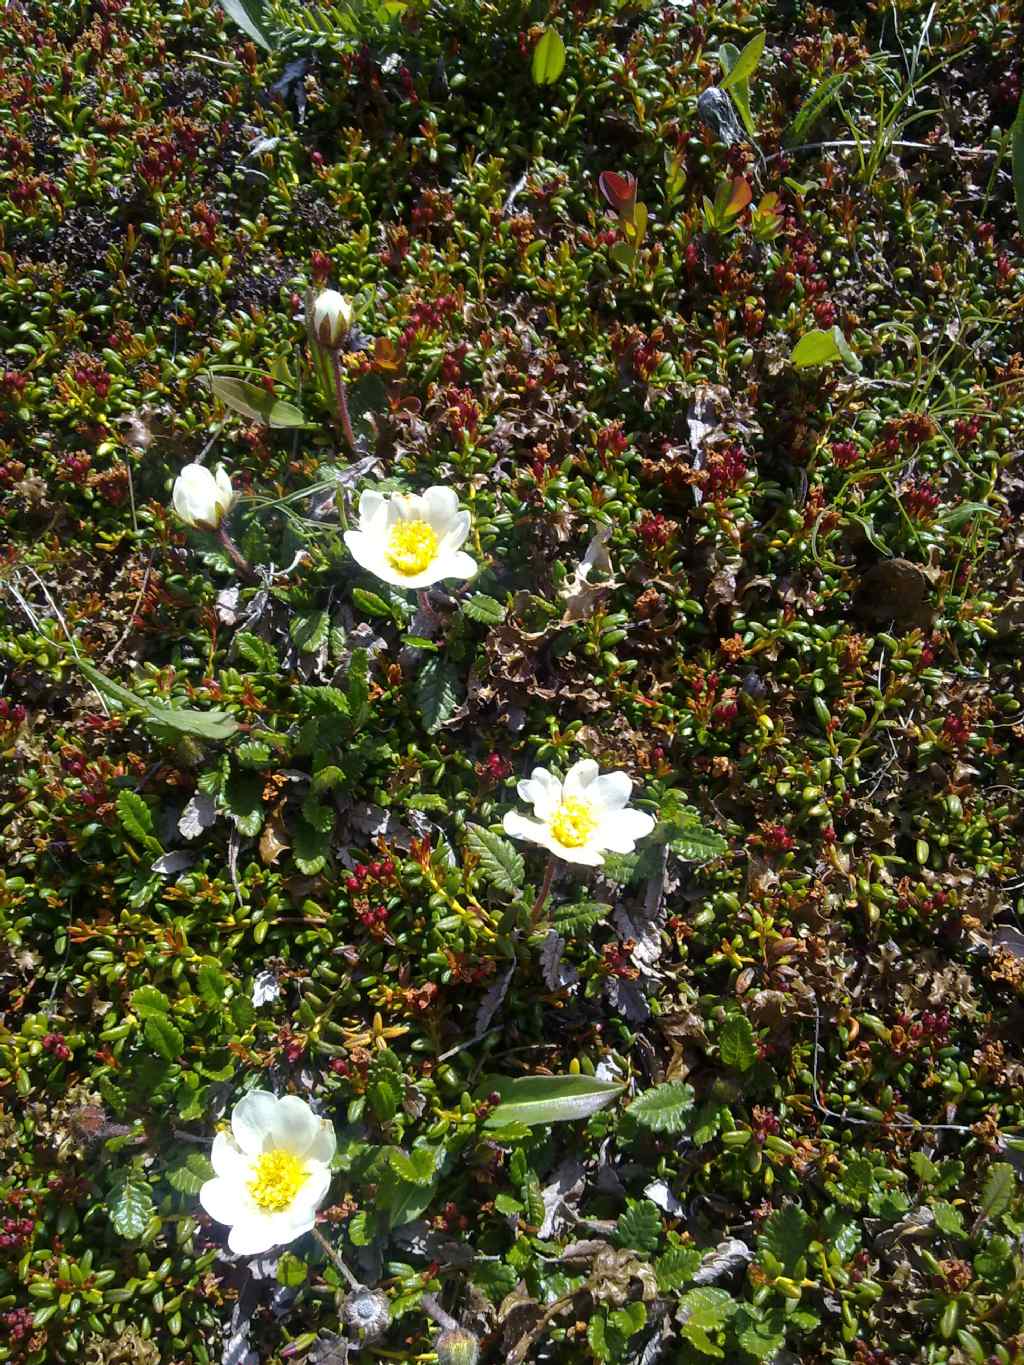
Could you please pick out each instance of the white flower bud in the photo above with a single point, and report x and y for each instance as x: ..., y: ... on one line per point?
x: 332, y: 318
x: 201, y: 499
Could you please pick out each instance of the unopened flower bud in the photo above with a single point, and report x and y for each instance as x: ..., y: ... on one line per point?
x: 202, y: 499
x: 332, y: 318
x: 368, y: 1311
x: 457, y: 1347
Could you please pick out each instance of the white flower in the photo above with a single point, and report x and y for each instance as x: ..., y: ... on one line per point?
x: 583, y: 817
x: 412, y: 539
x: 332, y: 318
x: 202, y: 499
x: 272, y: 1172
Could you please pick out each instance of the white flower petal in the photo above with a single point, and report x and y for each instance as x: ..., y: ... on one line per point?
x: 457, y: 565
x: 440, y: 506
x: 228, y: 1159
x: 521, y: 828
x: 295, y: 1125
x: 323, y: 1146
x: 313, y: 1193
x: 579, y: 777
x: 370, y: 504
x: 406, y: 507
x: 620, y: 830
x: 252, y: 1236
x: 588, y: 855
x: 180, y: 503
x: 611, y: 790
x: 454, y: 533
x: 543, y: 790
x: 253, y: 1121
x: 225, y: 492
x: 368, y: 552
x: 222, y: 1200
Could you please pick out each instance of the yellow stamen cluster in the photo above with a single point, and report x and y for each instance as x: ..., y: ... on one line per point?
x: 573, y: 823
x: 276, y: 1179
x: 412, y: 546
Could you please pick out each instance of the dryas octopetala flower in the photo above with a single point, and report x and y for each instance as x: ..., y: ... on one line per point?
x: 583, y: 817
x: 201, y: 499
x: 412, y: 539
x: 332, y: 318
x: 272, y: 1172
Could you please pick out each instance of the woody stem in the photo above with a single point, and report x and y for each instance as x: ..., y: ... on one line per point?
x: 333, y: 1255
x: 341, y: 396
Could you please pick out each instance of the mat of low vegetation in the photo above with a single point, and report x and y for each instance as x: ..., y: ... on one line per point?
x: 702, y: 327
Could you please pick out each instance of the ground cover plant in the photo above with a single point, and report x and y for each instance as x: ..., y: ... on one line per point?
x: 510, y: 682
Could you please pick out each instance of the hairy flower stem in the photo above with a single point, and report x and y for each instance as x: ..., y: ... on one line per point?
x: 341, y: 396
x: 333, y: 1256
x: 434, y: 1310
x: 544, y: 892
x: 235, y: 555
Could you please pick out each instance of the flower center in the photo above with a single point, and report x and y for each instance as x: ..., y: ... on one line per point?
x: 411, y: 546
x: 573, y: 823
x: 276, y: 1179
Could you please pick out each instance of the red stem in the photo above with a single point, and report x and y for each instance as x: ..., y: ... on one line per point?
x: 342, y: 399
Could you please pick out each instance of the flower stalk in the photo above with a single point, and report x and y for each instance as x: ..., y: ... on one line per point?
x: 242, y: 565
x: 341, y: 400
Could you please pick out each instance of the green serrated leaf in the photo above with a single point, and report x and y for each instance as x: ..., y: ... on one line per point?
x: 370, y: 603
x: 494, y: 1278
x: 189, y: 1176
x: 436, y: 692
x: 998, y: 1191
x: 260, y: 653
x: 706, y: 1307
x: 243, y: 801
x: 211, y: 983
x: 736, y: 1043
x: 500, y: 862
x: 575, y: 919
x: 417, y: 1167
x: 135, y: 816
x: 131, y: 1206
x: 291, y: 1270
x: 786, y: 1236
x: 147, y: 1000
x: 948, y: 1219
x: 695, y: 843
x: 253, y: 754
x: 309, y: 848
x: 163, y: 1037
x: 308, y: 630
x: 676, y: 1268
x: 639, y: 1228
x: 664, y: 1108
x: 546, y: 1099
x: 487, y: 610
